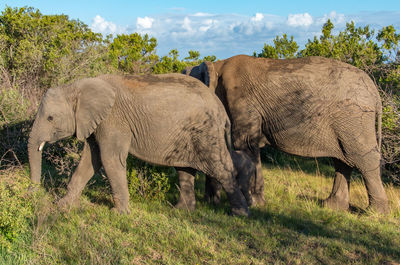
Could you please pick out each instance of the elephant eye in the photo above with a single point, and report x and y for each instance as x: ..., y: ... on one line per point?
x: 50, y: 118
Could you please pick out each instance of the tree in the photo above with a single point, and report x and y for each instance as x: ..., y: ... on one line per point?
x: 38, y: 51
x: 353, y: 45
x: 193, y: 56
x: 170, y: 63
x: 283, y: 48
x: 133, y: 53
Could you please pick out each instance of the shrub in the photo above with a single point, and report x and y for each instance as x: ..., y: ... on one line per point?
x: 16, y: 207
x: 14, y: 127
x: 148, y: 182
x: 13, y: 107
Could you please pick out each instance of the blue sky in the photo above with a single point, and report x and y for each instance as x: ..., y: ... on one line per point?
x: 223, y: 28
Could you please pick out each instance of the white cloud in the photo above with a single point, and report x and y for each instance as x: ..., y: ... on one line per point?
x: 99, y: 24
x: 186, y: 24
x: 225, y: 35
x: 144, y: 23
x: 333, y: 16
x: 207, y: 24
x: 297, y: 20
x: 258, y: 17
x: 201, y: 14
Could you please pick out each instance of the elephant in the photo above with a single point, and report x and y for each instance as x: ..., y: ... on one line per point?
x: 168, y: 119
x: 244, y: 170
x: 311, y: 107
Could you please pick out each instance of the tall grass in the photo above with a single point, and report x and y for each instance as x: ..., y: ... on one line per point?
x: 291, y: 229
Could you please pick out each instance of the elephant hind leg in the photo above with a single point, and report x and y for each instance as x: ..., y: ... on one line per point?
x: 339, y: 198
x: 223, y: 173
x: 369, y: 166
x: 187, y: 199
x: 360, y: 148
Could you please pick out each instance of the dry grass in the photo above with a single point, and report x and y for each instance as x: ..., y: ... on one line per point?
x: 291, y: 229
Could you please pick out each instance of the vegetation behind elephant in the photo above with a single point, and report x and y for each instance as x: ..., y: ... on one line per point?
x: 313, y: 107
x: 169, y: 120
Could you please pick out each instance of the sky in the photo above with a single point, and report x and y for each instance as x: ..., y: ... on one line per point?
x: 219, y: 27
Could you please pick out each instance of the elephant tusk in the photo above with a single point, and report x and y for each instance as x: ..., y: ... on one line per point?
x: 41, y: 146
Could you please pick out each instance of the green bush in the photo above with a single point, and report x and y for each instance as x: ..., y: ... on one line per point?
x: 16, y: 207
x: 148, y: 182
x: 14, y: 127
x: 13, y: 107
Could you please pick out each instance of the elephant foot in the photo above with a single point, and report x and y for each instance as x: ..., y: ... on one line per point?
x: 66, y: 203
x: 240, y: 212
x: 336, y: 203
x: 238, y: 203
x: 121, y: 210
x: 189, y: 205
x: 257, y: 200
x: 380, y: 206
x: 33, y: 188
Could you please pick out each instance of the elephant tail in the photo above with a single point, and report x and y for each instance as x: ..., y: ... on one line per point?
x: 379, y: 117
x: 228, y: 136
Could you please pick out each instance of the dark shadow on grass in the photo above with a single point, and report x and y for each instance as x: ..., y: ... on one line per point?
x: 309, y: 227
x: 320, y: 202
x: 286, y: 230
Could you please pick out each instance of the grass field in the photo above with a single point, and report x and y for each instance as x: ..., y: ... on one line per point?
x: 291, y: 229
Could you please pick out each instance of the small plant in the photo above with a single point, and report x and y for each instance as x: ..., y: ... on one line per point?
x: 146, y: 181
x: 16, y: 207
x: 13, y: 107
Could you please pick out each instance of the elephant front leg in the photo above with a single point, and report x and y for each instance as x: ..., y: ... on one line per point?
x: 113, y: 157
x: 339, y: 198
x: 187, y: 198
x: 89, y: 164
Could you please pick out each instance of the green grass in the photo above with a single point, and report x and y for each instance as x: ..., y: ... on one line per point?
x: 291, y: 229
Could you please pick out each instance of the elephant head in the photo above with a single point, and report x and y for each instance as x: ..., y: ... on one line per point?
x: 64, y: 111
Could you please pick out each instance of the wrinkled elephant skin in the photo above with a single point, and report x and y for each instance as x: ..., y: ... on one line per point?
x: 312, y: 107
x: 170, y: 120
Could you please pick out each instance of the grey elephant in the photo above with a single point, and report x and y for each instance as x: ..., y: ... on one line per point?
x: 244, y: 170
x: 312, y: 107
x: 170, y: 120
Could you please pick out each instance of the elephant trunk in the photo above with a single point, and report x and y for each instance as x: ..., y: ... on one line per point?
x: 35, y: 147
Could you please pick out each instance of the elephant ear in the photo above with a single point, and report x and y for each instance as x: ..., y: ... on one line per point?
x: 96, y: 98
x: 208, y: 75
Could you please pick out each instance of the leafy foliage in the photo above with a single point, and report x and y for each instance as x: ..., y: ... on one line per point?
x: 169, y: 64
x: 13, y: 107
x: 38, y: 51
x: 148, y: 182
x: 353, y: 45
x: 133, y: 53
x: 283, y: 48
x: 16, y: 209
